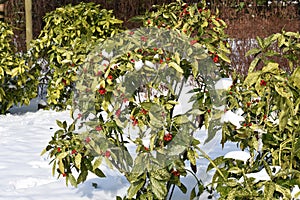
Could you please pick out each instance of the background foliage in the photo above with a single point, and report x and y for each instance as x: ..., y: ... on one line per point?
x: 17, y: 79
x: 67, y: 38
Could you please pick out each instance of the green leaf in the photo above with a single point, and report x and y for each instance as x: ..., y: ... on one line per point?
x: 283, y: 119
x: 99, y: 173
x: 281, y: 40
x: 160, y: 174
x: 82, y: 176
x: 284, y: 191
x: 72, y: 180
x: 260, y: 42
x: 97, y: 163
x: 59, y: 123
x: 62, y: 155
x: 71, y: 127
x: 252, y: 78
x: 134, y: 188
x: 235, y: 170
x: 159, y: 188
x: 176, y: 67
x: 271, y: 68
x: 181, y: 119
x: 54, y: 168
x: 224, y: 57
x: 252, y: 51
x: 269, y: 190
x: 283, y: 91
x: 191, y: 156
x: 78, y: 160
x: 295, y: 77
x: 253, y: 64
x: 182, y: 188
x: 43, y: 152
x: 61, y: 166
x: 177, y: 58
x: 217, y: 162
x: 193, y: 194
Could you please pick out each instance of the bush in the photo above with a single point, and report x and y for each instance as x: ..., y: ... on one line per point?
x: 134, y: 82
x: 268, y: 99
x: 138, y: 86
x: 197, y: 22
x: 17, y: 78
x: 67, y: 38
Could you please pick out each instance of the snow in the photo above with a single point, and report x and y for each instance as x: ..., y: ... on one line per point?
x: 25, y: 175
x: 223, y: 84
x: 233, y: 118
x: 262, y: 175
x: 238, y: 155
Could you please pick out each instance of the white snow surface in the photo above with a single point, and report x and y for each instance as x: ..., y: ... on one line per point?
x: 25, y: 175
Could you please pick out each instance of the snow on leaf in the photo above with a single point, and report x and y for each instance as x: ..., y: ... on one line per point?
x: 238, y: 155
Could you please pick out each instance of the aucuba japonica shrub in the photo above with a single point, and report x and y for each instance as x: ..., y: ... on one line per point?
x: 69, y: 35
x: 284, y: 45
x: 17, y: 79
x: 268, y: 99
x: 195, y: 21
x: 128, y: 92
x: 127, y: 95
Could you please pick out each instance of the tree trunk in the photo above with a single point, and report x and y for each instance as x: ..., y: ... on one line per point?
x: 1, y: 12
x: 28, y: 17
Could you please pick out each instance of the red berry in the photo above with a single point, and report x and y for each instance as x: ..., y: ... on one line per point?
x: 250, y: 124
x: 125, y: 100
x: 143, y: 111
x: 58, y: 149
x: 107, y: 154
x: 155, y: 49
x: 208, y: 110
x: 193, y: 42
x: 146, y: 148
x: 98, y: 128
x: 110, y: 77
x: 64, y: 82
x: 135, y: 122
x: 263, y: 83
x: 144, y: 39
x: 161, y: 61
x: 99, y: 73
x: 216, y: 59
x: 118, y: 113
x: 168, y: 137
x: 248, y: 104
x: 64, y: 174
x: 87, y: 139
x: 102, y: 91
x: 79, y: 116
x: 168, y: 58
x: 175, y: 173
x: 74, y: 151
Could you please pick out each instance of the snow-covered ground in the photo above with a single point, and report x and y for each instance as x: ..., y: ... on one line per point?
x: 25, y: 175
